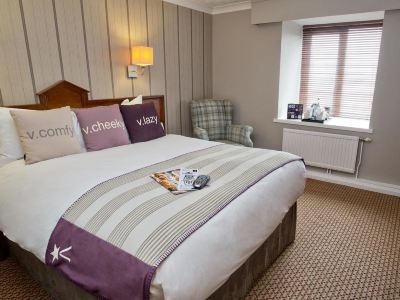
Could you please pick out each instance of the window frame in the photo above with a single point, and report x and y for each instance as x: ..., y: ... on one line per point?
x: 342, y: 29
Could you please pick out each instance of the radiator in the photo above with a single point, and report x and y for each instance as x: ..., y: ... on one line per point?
x: 324, y: 150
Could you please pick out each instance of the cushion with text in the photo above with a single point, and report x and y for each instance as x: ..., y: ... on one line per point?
x: 102, y: 127
x: 142, y: 122
x: 46, y: 134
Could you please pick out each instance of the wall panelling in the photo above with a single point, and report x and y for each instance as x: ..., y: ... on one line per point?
x: 120, y: 46
x: 88, y: 42
x: 185, y: 67
x: 172, y: 67
x: 43, y: 44
x: 198, y: 54
x: 98, y: 48
x: 16, y: 83
x: 72, y: 41
x: 138, y: 37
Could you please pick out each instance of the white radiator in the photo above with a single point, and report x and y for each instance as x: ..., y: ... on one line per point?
x: 324, y: 150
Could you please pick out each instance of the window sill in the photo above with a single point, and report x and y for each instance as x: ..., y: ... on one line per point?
x: 333, y: 123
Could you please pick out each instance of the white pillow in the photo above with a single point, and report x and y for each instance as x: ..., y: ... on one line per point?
x: 10, y: 145
x: 137, y: 100
x: 78, y: 132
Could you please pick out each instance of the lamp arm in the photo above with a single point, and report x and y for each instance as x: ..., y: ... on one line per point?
x: 141, y: 70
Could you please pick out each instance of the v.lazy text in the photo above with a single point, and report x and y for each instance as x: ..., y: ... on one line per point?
x: 147, y: 120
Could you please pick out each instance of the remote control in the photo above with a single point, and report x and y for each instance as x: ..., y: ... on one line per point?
x: 201, y: 181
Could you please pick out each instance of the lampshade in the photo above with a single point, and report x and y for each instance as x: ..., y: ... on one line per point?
x: 142, y: 56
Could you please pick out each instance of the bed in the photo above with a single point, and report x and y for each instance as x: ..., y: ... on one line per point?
x: 219, y: 260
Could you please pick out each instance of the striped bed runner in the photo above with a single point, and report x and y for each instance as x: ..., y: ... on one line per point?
x: 127, y: 226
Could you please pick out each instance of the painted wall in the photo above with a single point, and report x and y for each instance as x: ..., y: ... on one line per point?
x: 267, y: 11
x: 290, y: 66
x: 88, y: 43
x: 246, y: 70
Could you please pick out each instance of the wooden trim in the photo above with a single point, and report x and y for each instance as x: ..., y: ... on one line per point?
x: 63, y: 83
x: 64, y: 93
x: 345, y: 25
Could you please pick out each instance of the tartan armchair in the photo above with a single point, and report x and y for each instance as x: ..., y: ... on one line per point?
x: 212, y: 121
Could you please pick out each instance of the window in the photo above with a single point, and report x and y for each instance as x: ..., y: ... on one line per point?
x: 339, y: 64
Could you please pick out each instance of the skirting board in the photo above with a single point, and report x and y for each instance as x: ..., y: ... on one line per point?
x: 369, y: 185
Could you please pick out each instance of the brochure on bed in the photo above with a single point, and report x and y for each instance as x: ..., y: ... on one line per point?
x: 117, y: 257
x: 177, y: 181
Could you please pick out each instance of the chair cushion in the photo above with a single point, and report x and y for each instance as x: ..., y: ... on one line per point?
x: 213, y: 116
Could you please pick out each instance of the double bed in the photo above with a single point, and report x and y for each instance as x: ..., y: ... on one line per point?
x: 218, y: 260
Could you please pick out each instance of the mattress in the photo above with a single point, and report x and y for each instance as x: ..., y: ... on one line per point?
x: 33, y: 197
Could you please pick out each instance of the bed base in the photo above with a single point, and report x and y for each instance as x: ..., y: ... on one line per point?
x: 3, y: 247
x: 237, y: 286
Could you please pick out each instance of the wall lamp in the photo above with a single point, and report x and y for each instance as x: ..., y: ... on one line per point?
x: 141, y: 58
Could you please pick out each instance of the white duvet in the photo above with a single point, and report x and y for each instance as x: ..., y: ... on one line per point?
x: 34, y: 197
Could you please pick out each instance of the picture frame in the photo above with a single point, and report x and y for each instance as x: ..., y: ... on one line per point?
x: 295, y: 111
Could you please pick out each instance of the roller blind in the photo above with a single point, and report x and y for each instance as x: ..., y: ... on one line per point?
x: 339, y: 64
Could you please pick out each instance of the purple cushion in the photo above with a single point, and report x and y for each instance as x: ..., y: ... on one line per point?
x: 142, y: 122
x: 102, y: 127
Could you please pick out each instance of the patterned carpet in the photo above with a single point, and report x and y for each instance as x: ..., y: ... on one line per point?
x: 347, y: 247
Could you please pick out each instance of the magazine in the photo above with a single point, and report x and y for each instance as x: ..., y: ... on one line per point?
x: 177, y: 181
x: 186, y: 179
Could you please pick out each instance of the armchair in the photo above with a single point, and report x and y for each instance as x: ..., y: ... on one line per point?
x: 212, y: 121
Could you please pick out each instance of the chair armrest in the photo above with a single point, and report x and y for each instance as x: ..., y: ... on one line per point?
x: 240, y: 134
x: 200, y: 133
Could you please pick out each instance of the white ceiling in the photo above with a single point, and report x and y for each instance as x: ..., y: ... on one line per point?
x: 214, y: 6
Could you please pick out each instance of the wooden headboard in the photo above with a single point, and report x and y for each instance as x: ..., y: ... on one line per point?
x: 64, y: 93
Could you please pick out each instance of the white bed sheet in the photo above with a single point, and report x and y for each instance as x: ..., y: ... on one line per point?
x: 34, y: 197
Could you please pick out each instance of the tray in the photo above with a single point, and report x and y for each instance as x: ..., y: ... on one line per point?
x: 313, y: 121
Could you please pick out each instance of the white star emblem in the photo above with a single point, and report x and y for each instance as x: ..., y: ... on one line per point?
x: 56, y: 252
